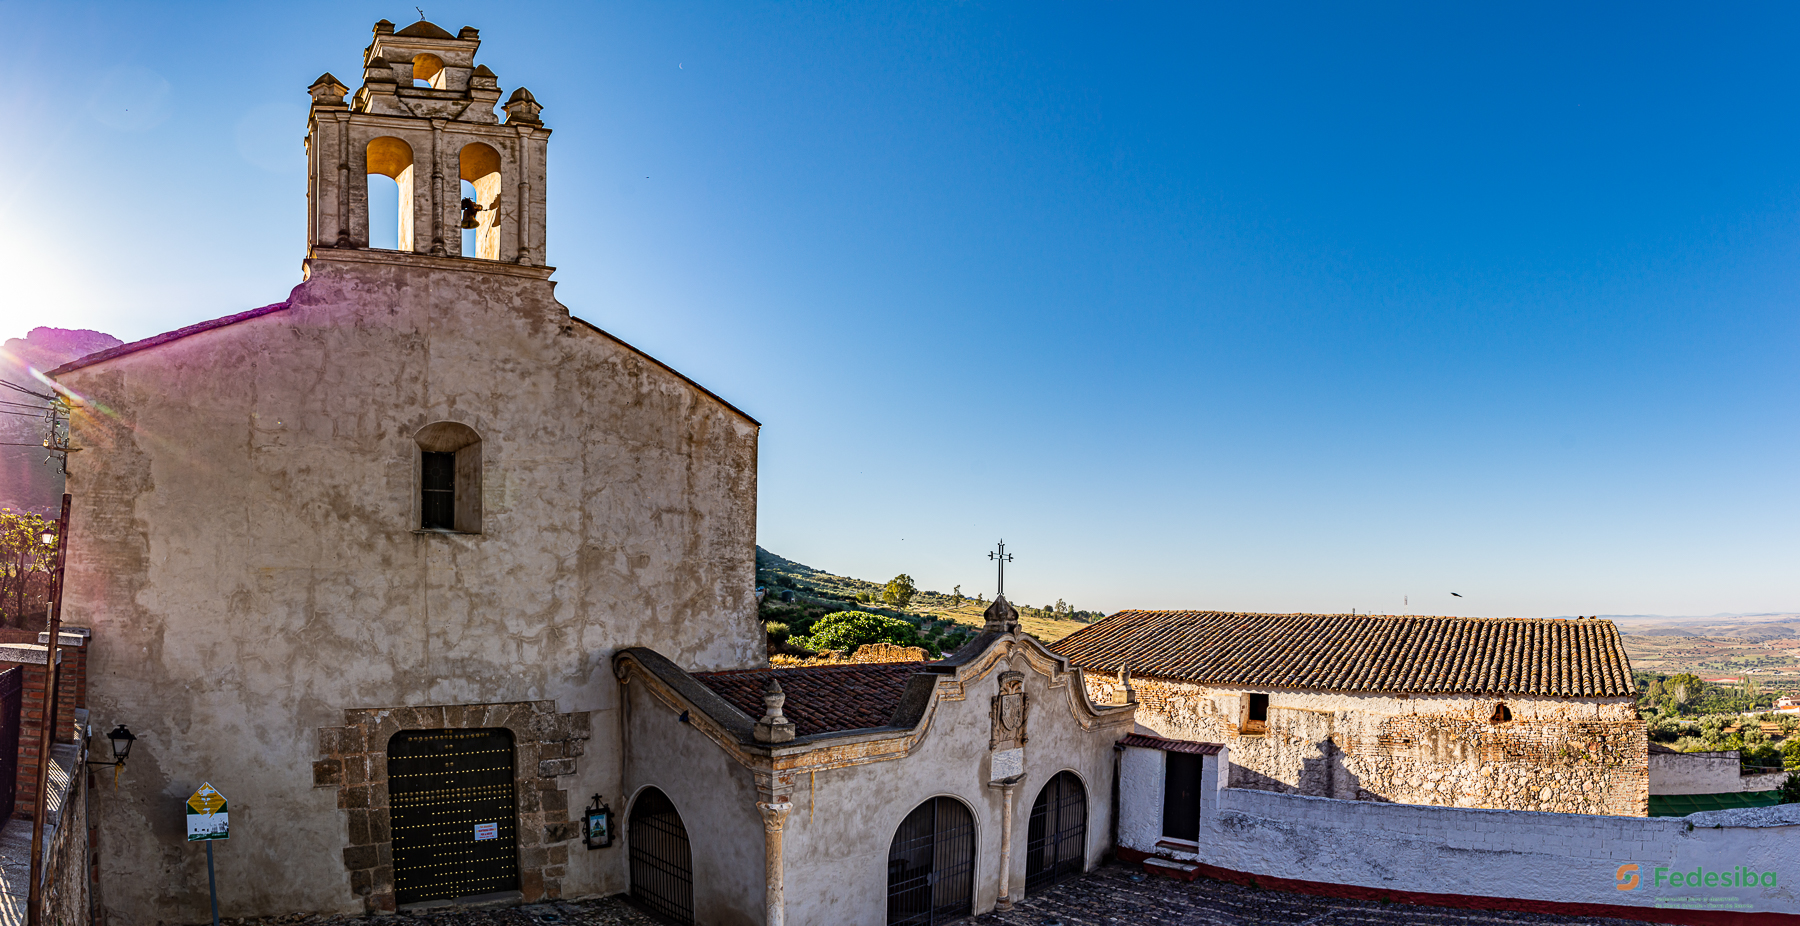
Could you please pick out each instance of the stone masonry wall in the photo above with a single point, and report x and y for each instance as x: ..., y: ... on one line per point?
x: 1555, y: 754
x: 546, y: 745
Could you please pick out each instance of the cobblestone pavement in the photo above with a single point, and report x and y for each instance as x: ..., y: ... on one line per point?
x: 1114, y: 895
x: 606, y: 911
x: 1122, y: 895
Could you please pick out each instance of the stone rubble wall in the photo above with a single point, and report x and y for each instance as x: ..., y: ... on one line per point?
x: 1562, y: 755
x: 66, y: 875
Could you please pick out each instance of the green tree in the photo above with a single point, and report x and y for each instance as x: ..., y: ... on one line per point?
x: 1790, y: 755
x: 1684, y: 689
x: 25, y: 562
x: 899, y: 592
x: 956, y: 594
x: 1790, y: 789
x: 846, y: 631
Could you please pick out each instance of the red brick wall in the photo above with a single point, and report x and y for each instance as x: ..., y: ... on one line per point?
x: 73, y: 682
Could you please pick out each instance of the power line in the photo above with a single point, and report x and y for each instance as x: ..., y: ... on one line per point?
x: 12, y: 385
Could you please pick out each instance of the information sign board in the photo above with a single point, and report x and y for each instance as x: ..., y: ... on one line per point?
x: 207, y: 815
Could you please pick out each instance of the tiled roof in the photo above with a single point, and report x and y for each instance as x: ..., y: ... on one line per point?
x: 820, y: 699
x: 1146, y: 741
x: 1360, y: 652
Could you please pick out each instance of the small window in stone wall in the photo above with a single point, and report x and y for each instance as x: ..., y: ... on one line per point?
x: 449, y: 478
x: 1256, y: 714
x: 1501, y: 714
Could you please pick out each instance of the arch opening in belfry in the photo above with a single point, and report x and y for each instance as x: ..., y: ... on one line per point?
x: 390, y: 157
x: 480, y: 167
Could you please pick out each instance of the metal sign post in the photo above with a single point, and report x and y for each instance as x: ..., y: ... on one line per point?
x: 208, y: 818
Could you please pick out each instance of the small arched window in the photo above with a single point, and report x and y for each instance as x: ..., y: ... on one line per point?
x: 1501, y: 714
x: 428, y: 70
x: 388, y: 156
x: 480, y: 165
x: 449, y: 477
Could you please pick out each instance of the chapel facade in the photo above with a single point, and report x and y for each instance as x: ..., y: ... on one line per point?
x: 1453, y: 711
x: 451, y: 594
x: 361, y: 558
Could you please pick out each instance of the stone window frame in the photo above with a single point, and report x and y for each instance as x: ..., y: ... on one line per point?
x: 546, y: 744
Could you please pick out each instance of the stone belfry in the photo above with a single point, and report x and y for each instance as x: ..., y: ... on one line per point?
x: 424, y: 116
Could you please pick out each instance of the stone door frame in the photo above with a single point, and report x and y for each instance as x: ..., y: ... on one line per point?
x: 545, y: 746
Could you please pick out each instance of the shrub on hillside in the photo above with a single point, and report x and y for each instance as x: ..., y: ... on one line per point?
x: 1790, y: 789
x: 847, y: 630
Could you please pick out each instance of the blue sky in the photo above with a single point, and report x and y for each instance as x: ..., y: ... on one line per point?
x: 1240, y: 306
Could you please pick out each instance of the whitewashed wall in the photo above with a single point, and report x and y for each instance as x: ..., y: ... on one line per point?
x: 1557, y: 858
x: 1705, y: 773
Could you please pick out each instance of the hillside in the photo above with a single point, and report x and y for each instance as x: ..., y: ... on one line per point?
x: 931, y: 610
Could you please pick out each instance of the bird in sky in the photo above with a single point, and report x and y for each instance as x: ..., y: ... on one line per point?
x: 1457, y: 594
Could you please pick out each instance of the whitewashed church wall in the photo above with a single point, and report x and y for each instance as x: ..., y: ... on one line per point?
x: 716, y: 798
x: 244, y: 545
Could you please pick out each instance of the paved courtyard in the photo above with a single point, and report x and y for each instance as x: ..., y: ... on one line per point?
x: 1115, y: 895
x: 1118, y: 894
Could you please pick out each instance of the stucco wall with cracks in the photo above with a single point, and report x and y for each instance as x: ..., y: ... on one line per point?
x: 244, y: 543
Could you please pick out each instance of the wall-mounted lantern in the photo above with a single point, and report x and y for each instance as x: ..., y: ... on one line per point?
x: 121, y: 738
x: 121, y: 743
x: 597, y: 825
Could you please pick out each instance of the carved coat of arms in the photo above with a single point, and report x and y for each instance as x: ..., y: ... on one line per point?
x: 1009, y: 712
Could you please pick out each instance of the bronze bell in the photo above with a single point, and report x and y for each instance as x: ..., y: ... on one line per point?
x: 470, y: 212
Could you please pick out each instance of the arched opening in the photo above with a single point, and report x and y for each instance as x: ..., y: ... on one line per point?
x: 428, y: 71
x: 480, y: 168
x: 662, y: 867
x: 1501, y: 714
x: 1056, y: 837
x: 390, y: 157
x: 468, y: 197
x: 453, y: 813
x: 449, y: 477
x: 931, y: 865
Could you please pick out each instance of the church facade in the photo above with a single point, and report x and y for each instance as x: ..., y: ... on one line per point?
x: 414, y: 500
x: 450, y: 593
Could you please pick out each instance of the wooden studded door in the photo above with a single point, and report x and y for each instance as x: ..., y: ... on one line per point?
x: 453, y: 813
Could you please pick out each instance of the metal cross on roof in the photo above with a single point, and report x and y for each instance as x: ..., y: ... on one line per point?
x: 1002, y: 557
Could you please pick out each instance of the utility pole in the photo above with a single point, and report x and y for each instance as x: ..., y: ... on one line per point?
x: 47, y: 729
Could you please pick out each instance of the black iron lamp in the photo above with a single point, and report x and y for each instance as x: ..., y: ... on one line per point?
x: 121, y: 738
x: 597, y: 825
x: 121, y: 743
x: 48, y: 536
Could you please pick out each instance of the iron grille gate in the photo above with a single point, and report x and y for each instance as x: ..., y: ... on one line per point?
x: 453, y: 813
x: 1056, y: 838
x: 662, y: 868
x: 931, y: 865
